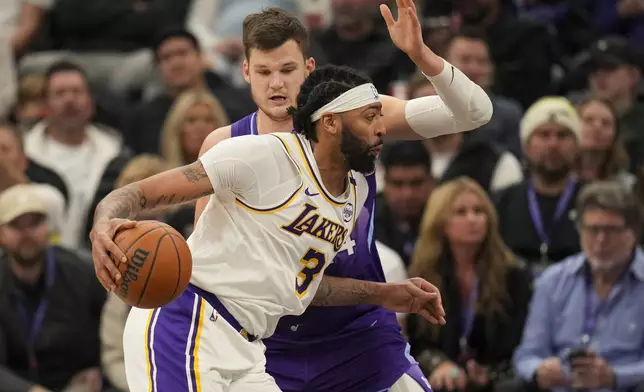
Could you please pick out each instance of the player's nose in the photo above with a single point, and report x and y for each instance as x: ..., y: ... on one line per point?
x: 380, y: 129
x: 276, y: 80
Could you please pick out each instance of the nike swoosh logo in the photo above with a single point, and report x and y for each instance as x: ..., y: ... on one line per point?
x: 450, y: 82
x: 306, y: 191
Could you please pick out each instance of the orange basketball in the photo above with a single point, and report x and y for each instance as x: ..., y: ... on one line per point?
x: 158, y: 268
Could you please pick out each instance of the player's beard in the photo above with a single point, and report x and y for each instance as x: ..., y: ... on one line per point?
x: 357, y: 152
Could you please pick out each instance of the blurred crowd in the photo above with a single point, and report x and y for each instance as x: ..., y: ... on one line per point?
x: 515, y: 222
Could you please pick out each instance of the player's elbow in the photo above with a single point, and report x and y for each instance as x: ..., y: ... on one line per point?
x: 480, y: 111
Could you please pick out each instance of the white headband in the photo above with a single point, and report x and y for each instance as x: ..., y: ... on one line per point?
x: 357, y: 97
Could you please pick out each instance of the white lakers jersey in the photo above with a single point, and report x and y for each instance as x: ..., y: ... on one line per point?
x: 271, y: 228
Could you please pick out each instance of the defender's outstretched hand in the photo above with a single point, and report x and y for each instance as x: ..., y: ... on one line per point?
x: 406, y: 32
x: 415, y: 295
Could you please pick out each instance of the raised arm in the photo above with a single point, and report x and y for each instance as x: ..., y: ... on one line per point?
x: 460, y: 105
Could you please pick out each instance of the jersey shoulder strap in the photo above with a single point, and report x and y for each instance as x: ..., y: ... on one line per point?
x: 245, y: 126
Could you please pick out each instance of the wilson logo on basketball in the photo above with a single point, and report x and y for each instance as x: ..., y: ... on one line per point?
x: 131, y: 273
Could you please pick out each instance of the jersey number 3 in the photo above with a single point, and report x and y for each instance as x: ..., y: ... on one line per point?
x: 313, y: 263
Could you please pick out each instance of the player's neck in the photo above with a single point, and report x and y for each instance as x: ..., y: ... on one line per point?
x: 332, y: 166
x: 266, y: 124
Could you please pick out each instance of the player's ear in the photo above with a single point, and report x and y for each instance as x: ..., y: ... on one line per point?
x: 331, y: 123
x: 309, y: 65
x: 246, y: 71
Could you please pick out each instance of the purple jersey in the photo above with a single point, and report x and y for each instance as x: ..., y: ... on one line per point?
x: 349, y: 348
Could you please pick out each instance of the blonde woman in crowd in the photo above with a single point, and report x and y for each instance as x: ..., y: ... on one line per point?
x: 193, y: 116
x: 602, y: 156
x: 115, y: 311
x: 485, y: 291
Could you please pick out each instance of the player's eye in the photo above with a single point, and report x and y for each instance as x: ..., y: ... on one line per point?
x: 287, y: 70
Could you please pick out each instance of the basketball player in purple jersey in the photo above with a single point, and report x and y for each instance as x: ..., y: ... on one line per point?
x: 350, y: 348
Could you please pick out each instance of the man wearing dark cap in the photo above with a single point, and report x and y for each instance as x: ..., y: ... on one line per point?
x: 616, y: 71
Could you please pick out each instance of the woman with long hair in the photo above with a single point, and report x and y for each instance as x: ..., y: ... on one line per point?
x: 193, y: 116
x: 485, y: 291
x: 602, y: 156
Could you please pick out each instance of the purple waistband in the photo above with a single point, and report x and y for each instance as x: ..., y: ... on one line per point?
x: 222, y: 311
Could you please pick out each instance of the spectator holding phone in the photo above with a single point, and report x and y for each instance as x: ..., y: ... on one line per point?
x: 585, y: 329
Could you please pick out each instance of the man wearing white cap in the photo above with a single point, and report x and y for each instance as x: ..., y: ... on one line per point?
x: 549, y: 132
x: 49, y: 301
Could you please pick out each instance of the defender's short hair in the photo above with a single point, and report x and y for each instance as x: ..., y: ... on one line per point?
x: 271, y: 28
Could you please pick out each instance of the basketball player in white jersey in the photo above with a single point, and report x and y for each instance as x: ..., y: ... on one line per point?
x: 339, y: 339
x: 281, y: 208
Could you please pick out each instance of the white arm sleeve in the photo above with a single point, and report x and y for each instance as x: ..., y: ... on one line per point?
x: 254, y: 168
x: 461, y: 105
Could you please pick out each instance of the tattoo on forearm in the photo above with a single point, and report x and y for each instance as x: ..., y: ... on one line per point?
x: 335, y: 291
x: 124, y: 203
x: 128, y: 201
x: 194, y: 172
x: 173, y: 199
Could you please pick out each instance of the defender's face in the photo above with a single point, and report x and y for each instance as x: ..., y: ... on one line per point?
x: 275, y: 77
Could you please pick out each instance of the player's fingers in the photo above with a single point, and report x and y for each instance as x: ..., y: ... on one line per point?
x: 124, y: 224
x: 440, y: 318
x: 405, y: 5
x: 427, y: 315
x: 425, y: 285
x: 412, y: 5
x: 113, y: 249
x: 97, y: 271
x: 412, y: 15
x: 420, y: 294
x: 438, y: 306
x: 105, y: 279
x: 107, y: 248
x: 110, y: 262
x: 386, y: 15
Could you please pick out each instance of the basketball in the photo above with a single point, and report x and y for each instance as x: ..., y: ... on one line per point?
x: 158, y: 268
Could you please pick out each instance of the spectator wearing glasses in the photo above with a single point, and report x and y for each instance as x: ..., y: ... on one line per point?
x: 584, y: 329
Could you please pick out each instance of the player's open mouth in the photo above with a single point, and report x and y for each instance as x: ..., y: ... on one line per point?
x: 375, y: 150
x: 278, y: 99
